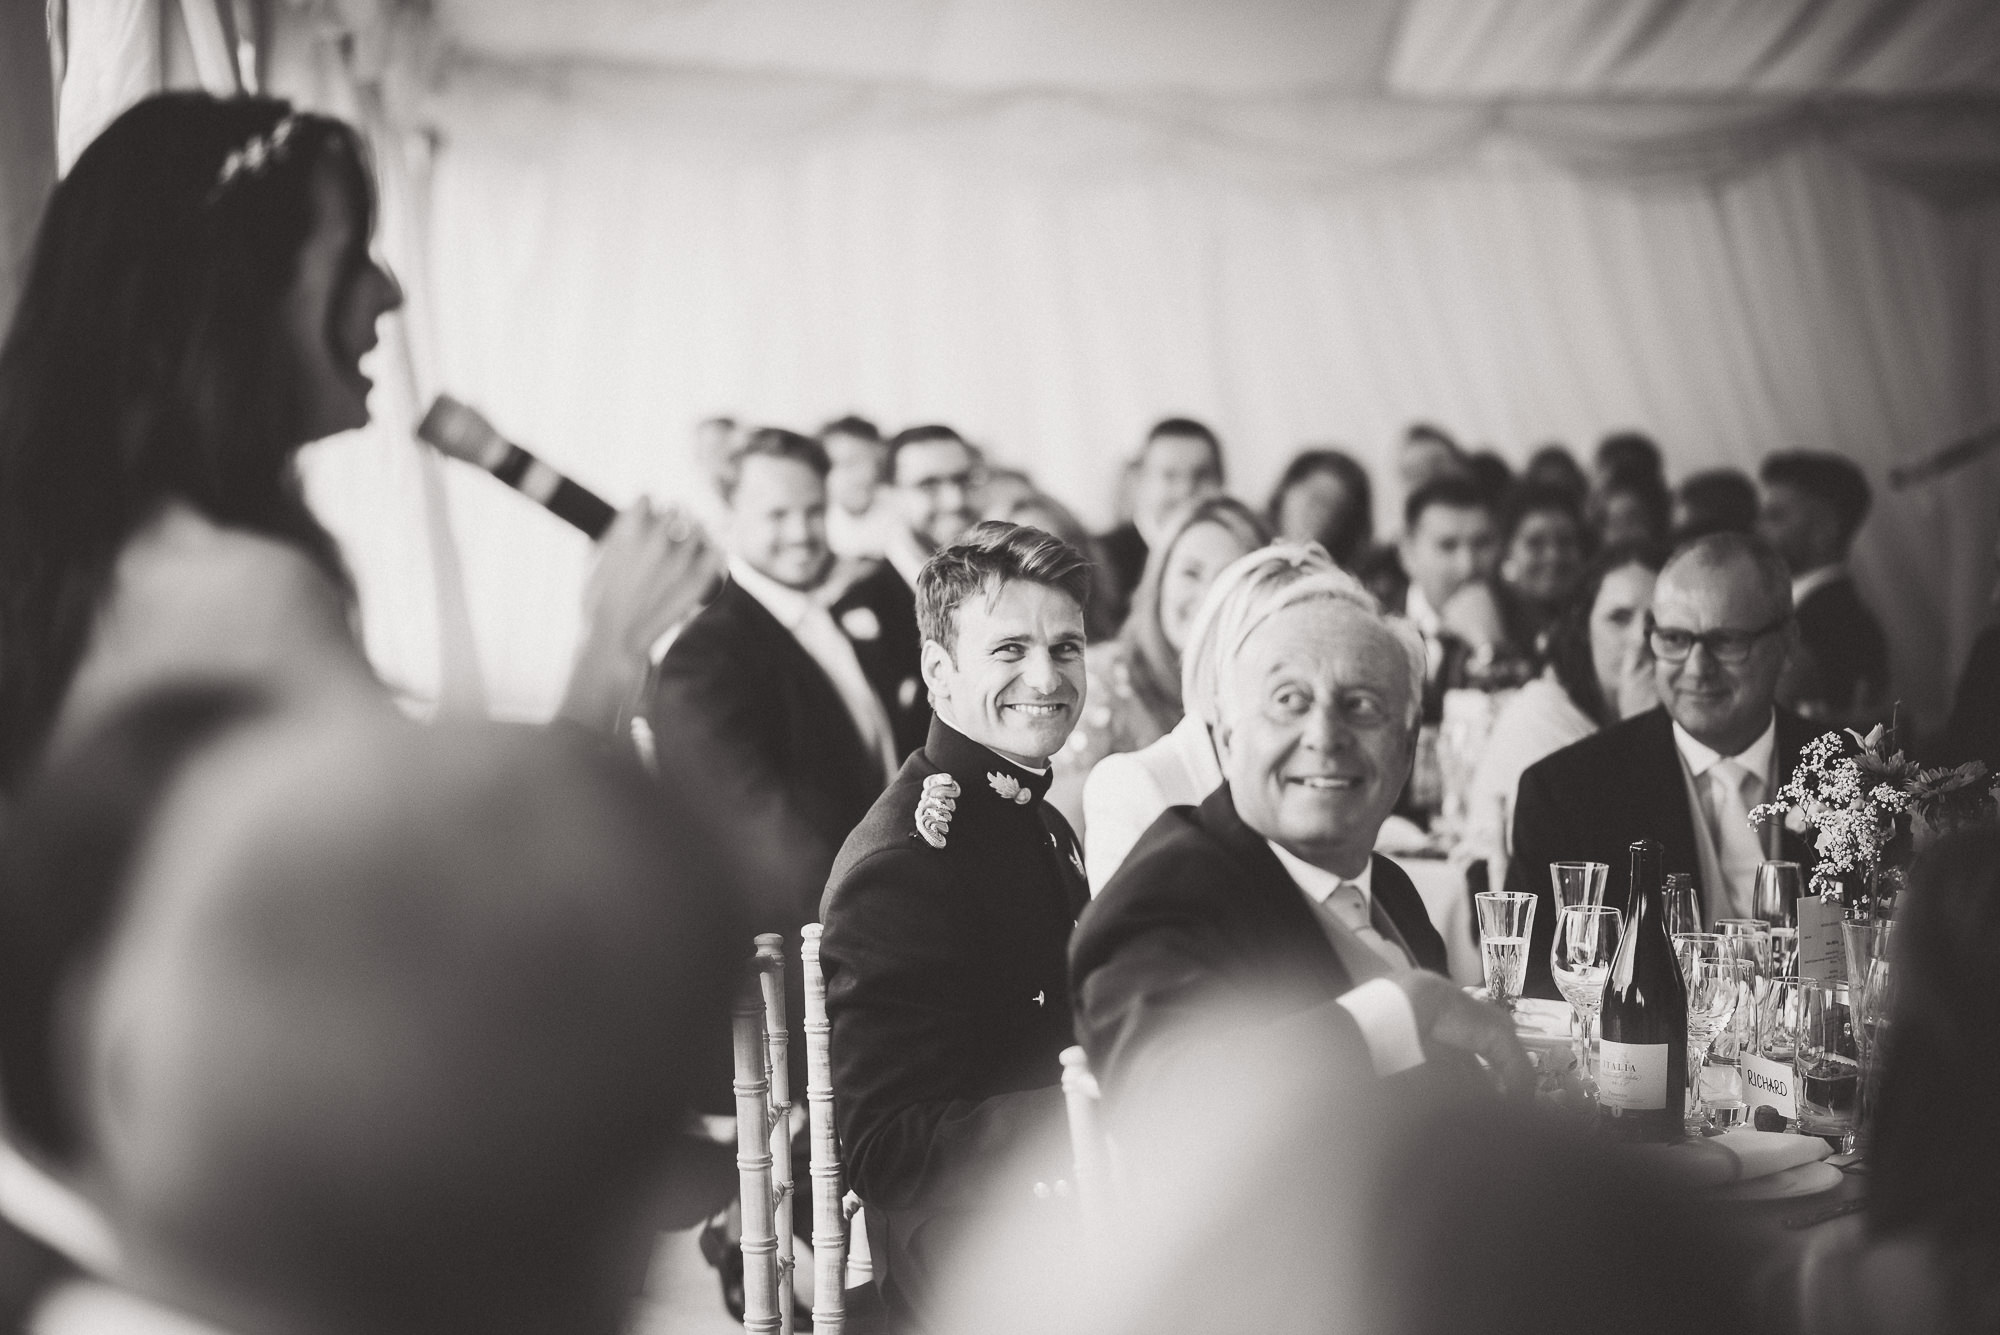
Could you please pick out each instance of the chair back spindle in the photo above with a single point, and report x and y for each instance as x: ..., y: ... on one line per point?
x: 1088, y: 1145
x: 753, y: 1163
x: 778, y: 1061
x: 830, y: 1220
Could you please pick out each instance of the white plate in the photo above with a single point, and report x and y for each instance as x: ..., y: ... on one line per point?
x: 1808, y: 1179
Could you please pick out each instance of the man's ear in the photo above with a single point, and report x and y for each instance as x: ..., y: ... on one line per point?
x: 1221, y: 734
x: 934, y: 662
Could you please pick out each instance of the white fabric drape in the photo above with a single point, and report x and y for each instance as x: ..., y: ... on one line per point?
x: 616, y: 256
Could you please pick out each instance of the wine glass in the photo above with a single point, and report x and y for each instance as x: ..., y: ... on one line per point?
x: 1506, y: 920
x: 1713, y: 987
x: 1586, y: 940
x: 1691, y: 946
x: 1775, y: 896
x: 1578, y: 882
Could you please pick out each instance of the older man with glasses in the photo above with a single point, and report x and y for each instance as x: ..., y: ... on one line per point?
x: 1687, y: 773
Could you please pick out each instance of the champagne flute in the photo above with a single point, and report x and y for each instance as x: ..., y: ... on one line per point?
x: 1713, y: 986
x: 1683, y: 909
x: 1578, y: 882
x: 1586, y: 941
x: 1506, y: 920
x: 1775, y: 897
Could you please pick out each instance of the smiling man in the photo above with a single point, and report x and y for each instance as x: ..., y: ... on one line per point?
x: 1267, y: 901
x: 948, y: 913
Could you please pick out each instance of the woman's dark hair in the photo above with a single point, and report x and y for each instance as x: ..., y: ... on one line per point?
x: 1932, y: 1164
x: 1569, y: 638
x: 146, y: 363
x: 1355, y: 529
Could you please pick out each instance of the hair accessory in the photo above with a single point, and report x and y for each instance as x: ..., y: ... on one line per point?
x: 257, y: 155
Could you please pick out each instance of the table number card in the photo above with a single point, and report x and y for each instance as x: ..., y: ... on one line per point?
x: 1822, y: 958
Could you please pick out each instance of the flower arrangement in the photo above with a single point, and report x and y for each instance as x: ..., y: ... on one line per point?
x: 1865, y: 798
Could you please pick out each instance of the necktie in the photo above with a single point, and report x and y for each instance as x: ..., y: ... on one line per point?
x: 1347, y: 906
x: 1733, y: 790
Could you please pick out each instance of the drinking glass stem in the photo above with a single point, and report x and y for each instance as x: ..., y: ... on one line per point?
x: 1697, y: 1058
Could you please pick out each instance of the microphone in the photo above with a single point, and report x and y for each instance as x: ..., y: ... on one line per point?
x: 461, y: 432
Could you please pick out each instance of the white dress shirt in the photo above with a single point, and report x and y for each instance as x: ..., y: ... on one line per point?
x: 1721, y: 790
x: 812, y: 626
x: 1379, y: 1007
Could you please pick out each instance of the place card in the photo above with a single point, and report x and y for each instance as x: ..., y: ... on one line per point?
x: 1822, y: 957
x: 1768, y: 1083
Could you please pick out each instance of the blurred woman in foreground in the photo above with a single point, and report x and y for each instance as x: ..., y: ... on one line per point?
x: 197, y: 305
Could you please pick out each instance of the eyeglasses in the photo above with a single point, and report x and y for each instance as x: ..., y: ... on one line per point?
x: 1724, y: 646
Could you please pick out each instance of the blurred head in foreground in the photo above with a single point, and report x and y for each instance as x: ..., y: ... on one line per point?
x: 1268, y: 1189
x: 395, y: 1033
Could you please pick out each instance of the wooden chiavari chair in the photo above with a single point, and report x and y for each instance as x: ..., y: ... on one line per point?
x: 753, y: 1162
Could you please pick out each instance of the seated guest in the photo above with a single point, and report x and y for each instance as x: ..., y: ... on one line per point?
x: 935, y: 478
x: 796, y: 712
x: 949, y: 910
x: 1553, y: 466
x: 1687, y: 773
x: 1268, y: 895
x: 1181, y: 461
x: 1451, y: 538
x: 1126, y: 793
x: 858, y: 517
x: 1717, y: 500
x: 1491, y: 472
x: 1425, y: 454
x: 395, y: 1032
x: 1135, y: 681
x: 1324, y: 496
x: 1541, y: 558
x: 1624, y: 454
x: 1035, y: 508
x: 1631, y: 509
x: 1598, y: 673
x: 1814, y: 504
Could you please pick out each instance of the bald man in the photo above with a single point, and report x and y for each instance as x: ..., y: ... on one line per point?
x: 396, y: 1032
x: 1687, y: 773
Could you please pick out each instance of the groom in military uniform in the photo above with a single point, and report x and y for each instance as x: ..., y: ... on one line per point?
x: 948, y: 916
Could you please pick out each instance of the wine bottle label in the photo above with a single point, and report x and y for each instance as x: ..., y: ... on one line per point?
x: 1632, y: 1076
x: 1768, y: 1082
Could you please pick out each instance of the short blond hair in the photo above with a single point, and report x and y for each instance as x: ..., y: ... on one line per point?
x: 1253, y: 589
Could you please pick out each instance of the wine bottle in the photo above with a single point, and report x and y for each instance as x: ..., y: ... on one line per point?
x: 1642, y: 1059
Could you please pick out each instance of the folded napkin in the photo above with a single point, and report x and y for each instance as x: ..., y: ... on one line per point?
x: 1736, y: 1156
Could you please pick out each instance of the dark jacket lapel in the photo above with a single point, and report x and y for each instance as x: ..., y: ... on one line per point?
x: 1398, y: 897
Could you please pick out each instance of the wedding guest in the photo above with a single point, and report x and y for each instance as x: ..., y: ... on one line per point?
x: 1135, y: 681
x: 1687, y: 773
x: 1492, y: 473
x: 1324, y: 496
x: 1554, y: 466
x: 1632, y: 507
x: 948, y: 912
x: 1625, y: 454
x: 1451, y: 537
x: 1181, y: 461
x: 1814, y: 504
x: 1425, y: 454
x: 858, y: 517
x: 1268, y: 897
x: 1716, y: 500
x: 936, y: 478
x: 1126, y: 793
x: 1597, y: 674
x: 199, y: 299
x: 396, y: 1032
x: 1034, y: 508
x: 1542, y: 551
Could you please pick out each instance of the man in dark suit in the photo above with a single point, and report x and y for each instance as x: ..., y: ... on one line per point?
x: 795, y: 698
x: 1180, y: 461
x: 1813, y: 505
x: 1688, y: 773
x: 949, y: 910
x: 1266, y: 901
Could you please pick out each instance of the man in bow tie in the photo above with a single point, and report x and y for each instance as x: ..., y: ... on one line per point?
x: 948, y: 913
x: 1266, y: 904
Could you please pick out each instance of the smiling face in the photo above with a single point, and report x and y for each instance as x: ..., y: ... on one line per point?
x: 1545, y: 556
x: 1725, y: 706
x: 777, y: 520
x: 1173, y: 470
x: 328, y: 317
x: 1198, y: 556
x: 1013, y: 682
x: 1317, y: 736
x: 1450, y: 546
x: 937, y: 482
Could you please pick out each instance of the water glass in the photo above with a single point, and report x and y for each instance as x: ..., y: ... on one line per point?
x: 1506, y: 920
x: 1681, y: 904
x: 1713, y: 987
x: 1748, y: 939
x: 1769, y: 1078
x: 1871, y: 990
x: 1775, y: 897
x: 1586, y: 942
x: 1827, y: 1067
x: 1578, y: 883
x: 1784, y: 952
x: 1691, y: 946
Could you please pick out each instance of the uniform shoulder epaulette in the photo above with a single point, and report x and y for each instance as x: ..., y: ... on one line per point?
x: 934, y: 808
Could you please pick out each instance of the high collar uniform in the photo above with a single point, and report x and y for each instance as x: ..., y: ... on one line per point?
x: 947, y: 994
